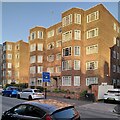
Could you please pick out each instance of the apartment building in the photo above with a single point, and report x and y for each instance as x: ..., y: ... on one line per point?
x: 15, y: 64
x: 115, y: 63
x: 76, y: 51
x: 0, y: 64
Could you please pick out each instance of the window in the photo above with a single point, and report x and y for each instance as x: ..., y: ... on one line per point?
x: 39, y: 58
x: 92, y: 65
x: 4, y: 65
x: 76, y: 65
x: 66, y: 65
x: 117, y: 69
x: 58, y: 43
x: 9, y: 47
x: 77, y: 18
x: 50, y: 58
x: 33, y: 69
x: 50, y: 33
x: 50, y: 69
x: 67, y: 51
x: 114, y: 54
x: 76, y: 80
x: 58, y: 69
x: 67, y: 36
x: 77, y: 34
x: 66, y: 81
x: 92, y: 33
x: 32, y: 59
x: 40, y: 47
x: 92, y: 49
x: 4, y: 47
x: 9, y: 65
x: 50, y: 46
x: 4, y: 73
x: 40, y: 69
x: 118, y: 42
x: 33, y: 36
x: 4, y: 56
x: 115, y: 26
x: 114, y: 68
x: 32, y: 81
x: 58, y: 56
x: 39, y: 81
x: 9, y: 73
x: 93, y: 16
x: 40, y: 34
x: 17, y: 56
x: 17, y: 47
x: 91, y: 80
x: 67, y: 20
x: 17, y: 65
x: 9, y: 56
x: 17, y: 74
x: 114, y: 40
x: 59, y: 30
x: 76, y: 50
x: 32, y: 47
x: 118, y: 55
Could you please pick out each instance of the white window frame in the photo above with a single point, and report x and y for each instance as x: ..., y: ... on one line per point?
x: 77, y: 18
x: 39, y: 59
x: 91, y: 80
x: 76, y: 80
x: 92, y: 16
x: 92, y: 33
x: 39, y: 69
x: 77, y: 34
x: 77, y: 67
x: 77, y: 50
x: 40, y: 34
x: 92, y: 49
x: 66, y: 80
x: 67, y: 36
x: 40, y: 47
x: 67, y: 20
x: 66, y: 65
x: 90, y: 67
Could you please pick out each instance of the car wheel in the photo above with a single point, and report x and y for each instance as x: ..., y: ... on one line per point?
x: 105, y: 101
x: 2, y: 94
x: 10, y: 95
x: 18, y: 96
x: 30, y: 97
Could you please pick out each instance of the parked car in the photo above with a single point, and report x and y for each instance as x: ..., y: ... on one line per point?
x: 112, y: 94
x: 45, y: 109
x: 10, y: 91
x: 30, y: 94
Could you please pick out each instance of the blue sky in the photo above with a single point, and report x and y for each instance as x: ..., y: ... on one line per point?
x: 19, y: 17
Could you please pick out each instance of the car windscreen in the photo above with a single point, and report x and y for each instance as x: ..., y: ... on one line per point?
x: 64, y: 114
x: 36, y: 91
x: 111, y: 91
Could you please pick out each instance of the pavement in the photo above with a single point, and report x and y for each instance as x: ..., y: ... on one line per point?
x: 100, y: 106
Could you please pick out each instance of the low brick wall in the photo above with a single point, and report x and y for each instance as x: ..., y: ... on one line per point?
x: 64, y: 95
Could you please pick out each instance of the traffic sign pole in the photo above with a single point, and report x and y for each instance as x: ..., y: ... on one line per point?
x: 45, y: 90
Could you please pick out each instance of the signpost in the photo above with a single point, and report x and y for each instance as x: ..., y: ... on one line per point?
x: 46, y: 78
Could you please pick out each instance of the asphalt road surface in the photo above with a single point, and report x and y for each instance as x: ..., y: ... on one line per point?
x: 88, y: 110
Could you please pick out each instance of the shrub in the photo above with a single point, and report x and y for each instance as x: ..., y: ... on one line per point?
x: 82, y: 94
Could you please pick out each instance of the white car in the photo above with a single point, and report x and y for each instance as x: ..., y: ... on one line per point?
x: 112, y: 94
x: 30, y: 94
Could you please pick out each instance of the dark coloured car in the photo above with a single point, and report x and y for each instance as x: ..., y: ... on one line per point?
x: 47, y: 109
x: 10, y: 91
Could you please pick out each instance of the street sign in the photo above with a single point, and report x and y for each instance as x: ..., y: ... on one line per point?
x: 46, y: 76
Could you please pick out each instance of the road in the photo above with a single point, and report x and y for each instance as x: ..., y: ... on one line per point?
x: 88, y: 110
